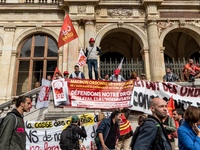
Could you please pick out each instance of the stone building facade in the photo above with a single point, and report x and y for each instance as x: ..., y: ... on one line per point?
x: 147, y: 30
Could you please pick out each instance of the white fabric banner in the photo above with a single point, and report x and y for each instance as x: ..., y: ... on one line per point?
x: 144, y: 91
x: 60, y: 89
x: 43, y: 97
x: 45, y: 135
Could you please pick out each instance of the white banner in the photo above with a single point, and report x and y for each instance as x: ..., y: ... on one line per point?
x: 45, y: 135
x: 43, y: 97
x: 144, y: 91
x: 60, y: 89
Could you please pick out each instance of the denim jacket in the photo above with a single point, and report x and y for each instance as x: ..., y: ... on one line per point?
x: 104, y: 128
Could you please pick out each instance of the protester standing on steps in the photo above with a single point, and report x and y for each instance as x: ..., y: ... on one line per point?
x: 92, y: 53
x: 13, y: 135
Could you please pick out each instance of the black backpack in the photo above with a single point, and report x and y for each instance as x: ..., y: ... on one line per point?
x: 137, y: 132
x: 69, y: 139
x: 2, y: 119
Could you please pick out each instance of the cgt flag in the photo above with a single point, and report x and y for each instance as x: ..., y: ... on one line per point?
x: 57, y: 71
x: 67, y: 32
x: 82, y: 58
x: 117, y: 71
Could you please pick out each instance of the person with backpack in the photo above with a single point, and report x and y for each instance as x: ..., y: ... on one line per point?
x: 151, y: 134
x: 69, y: 139
x: 12, y: 129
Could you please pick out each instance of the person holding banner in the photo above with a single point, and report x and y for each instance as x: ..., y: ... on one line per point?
x: 77, y: 74
x: 116, y: 76
x: 189, y: 131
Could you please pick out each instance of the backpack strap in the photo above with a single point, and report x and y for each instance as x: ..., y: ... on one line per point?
x: 16, y: 121
x: 158, y: 134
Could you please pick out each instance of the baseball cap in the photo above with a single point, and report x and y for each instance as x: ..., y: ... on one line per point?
x: 66, y: 73
x: 75, y: 118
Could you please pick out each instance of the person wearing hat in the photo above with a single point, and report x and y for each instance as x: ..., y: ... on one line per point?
x: 66, y: 74
x: 116, y: 76
x: 92, y: 53
x: 77, y: 129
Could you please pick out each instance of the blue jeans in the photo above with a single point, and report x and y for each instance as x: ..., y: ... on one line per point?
x: 92, y: 62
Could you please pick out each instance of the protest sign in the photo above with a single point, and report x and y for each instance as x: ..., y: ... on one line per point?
x: 45, y: 135
x: 144, y: 91
x: 99, y: 93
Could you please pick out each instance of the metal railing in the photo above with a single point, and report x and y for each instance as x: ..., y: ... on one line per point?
x: 5, y: 107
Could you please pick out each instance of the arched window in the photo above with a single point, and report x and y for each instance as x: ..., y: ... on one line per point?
x: 37, y: 58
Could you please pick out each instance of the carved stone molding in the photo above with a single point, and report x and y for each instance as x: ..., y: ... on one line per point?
x: 10, y: 28
x: 99, y: 27
x: 120, y: 12
x: 196, y: 23
x: 81, y: 9
x: 14, y: 53
x: 164, y: 25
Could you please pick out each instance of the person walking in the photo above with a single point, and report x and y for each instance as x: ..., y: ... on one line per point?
x: 151, y: 134
x: 92, y: 53
x: 13, y: 135
x: 108, y: 132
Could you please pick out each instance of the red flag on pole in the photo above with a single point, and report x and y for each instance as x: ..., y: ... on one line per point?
x: 56, y: 71
x: 170, y: 106
x: 67, y: 32
x: 117, y: 71
x: 82, y: 58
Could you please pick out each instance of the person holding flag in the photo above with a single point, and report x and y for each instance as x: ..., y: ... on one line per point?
x: 92, y: 53
x: 116, y: 76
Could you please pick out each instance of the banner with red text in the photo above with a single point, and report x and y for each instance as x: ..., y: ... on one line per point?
x: 144, y: 91
x: 43, y: 98
x: 99, y: 93
x: 45, y: 135
x: 59, y: 87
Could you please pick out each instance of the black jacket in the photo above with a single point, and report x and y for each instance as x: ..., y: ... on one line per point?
x: 13, y: 138
x: 147, y: 136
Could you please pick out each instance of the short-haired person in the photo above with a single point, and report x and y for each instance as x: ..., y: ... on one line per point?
x: 178, y: 116
x: 92, y: 53
x: 170, y: 76
x: 148, y: 134
x: 189, y: 131
x: 108, y: 132
x: 77, y: 74
x: 13, y: 136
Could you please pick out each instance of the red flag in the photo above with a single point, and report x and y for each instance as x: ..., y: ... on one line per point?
x: 170, y: 106
x: 117, y: 71
x: 82, y: 58
x: 67, y: 32
x: 56, y: 71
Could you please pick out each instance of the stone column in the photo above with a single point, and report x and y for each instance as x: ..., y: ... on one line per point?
x: 73, y: 50
x: 89, y: 33
x: 7, y: 64
x: 155, y: 55
x: 145, y: 57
